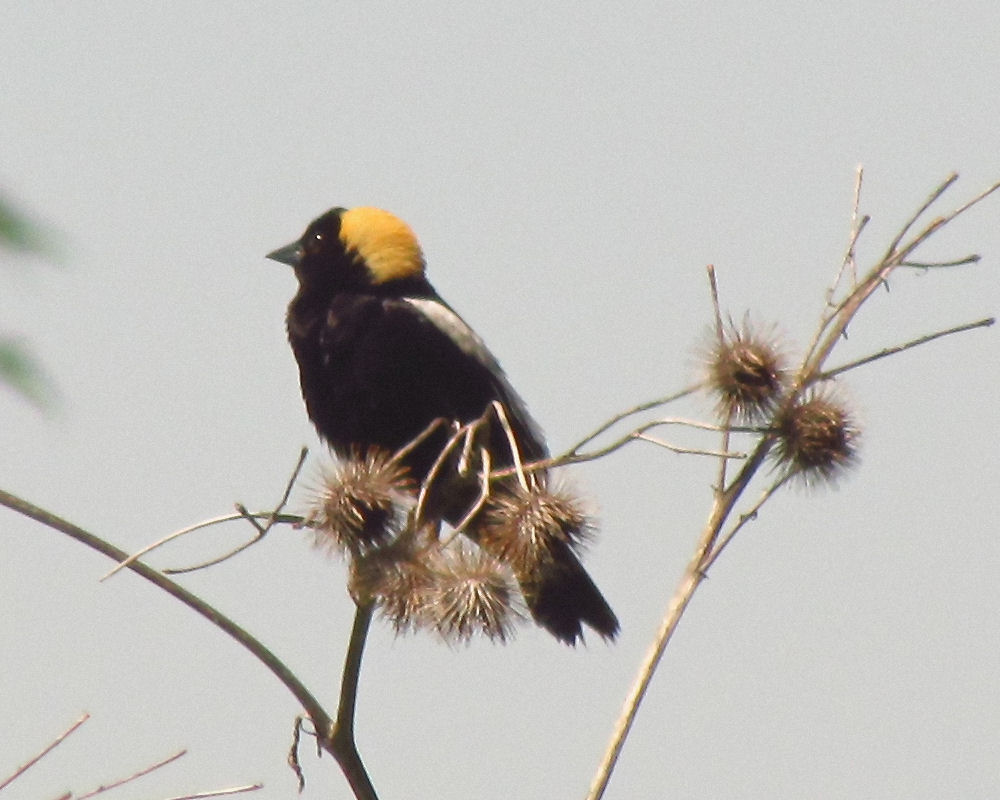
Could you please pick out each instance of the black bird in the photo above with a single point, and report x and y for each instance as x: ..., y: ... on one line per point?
x: 381, y: 356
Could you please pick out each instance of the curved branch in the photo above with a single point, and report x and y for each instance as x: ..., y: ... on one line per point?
x: 311, y: 705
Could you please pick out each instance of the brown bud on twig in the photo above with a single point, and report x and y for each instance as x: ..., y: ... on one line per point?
x: 396, y: 576
x: 747, y: 372
x: 472, y: 593
x: 361, y: 503
x: 454, y: 589
x: 817, y: 438
x: 527, y: 528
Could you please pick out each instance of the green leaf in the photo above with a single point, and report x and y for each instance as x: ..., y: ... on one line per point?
x: 20, y: 371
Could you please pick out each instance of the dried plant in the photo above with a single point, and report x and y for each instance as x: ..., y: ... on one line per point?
x: 789, y: 417
x: 361, y: 503
x: 366, y: 510
x: 800, y: 422
x: 472, y: 594
x: 523, y: 527
x: 747, y: 371
x: 817, y: 438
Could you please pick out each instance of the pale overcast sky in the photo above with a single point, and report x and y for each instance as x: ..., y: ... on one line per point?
x: 570, y: 170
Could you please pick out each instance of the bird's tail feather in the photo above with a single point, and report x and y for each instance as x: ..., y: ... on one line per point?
x: 562, y: 598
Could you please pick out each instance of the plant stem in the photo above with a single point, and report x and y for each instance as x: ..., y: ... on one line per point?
x: 321, y: 720
x: 340, y: 741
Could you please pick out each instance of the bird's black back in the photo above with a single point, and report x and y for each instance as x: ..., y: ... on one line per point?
x: 377, y: 370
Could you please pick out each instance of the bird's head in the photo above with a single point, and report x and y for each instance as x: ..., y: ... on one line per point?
x: 356, y: 247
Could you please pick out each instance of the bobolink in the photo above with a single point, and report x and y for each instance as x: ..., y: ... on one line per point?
x: 381, y: 356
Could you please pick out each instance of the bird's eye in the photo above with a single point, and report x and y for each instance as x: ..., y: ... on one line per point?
x: 314, y: 242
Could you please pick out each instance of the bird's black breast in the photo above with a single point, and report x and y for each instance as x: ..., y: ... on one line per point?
x: 376, y: 371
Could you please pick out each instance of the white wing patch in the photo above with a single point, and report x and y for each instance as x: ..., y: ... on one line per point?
x: 452, y: 325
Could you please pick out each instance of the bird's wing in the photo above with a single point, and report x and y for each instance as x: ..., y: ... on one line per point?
x: 446, y: 320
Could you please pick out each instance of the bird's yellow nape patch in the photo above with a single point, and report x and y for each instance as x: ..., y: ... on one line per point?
x: 385, y: 243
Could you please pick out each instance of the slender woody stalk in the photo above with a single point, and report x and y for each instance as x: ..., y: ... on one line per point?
x: 832, y: 328
x: 336, y: 737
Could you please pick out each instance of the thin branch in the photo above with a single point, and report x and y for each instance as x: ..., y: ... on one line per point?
x: 940, y: 190
x: 858, y: 224
x: 747, y: 516
x: 515, y: 448
x: 311, y: 705
x: 291, y: 482
x: 898, y: 254
x: 720, y: 339
x: 220, y: 792
x: 692, y: 451
x: 339, y: 738
x: 130, y: 778
x: 713, y: 285
x: 710, y: 546
x: 270, y: 518
x: 48, y: 749
x: 638, y: 409
x: 126, y: 563
x: 633, y: 435
x: 434, y: 471
x: 484, y: 495
x: 241, y: 513
x: 293, y: 752
x: 692, y: 578
x: 417, y: 440
x: 974, y: 258
x: 889, y: 351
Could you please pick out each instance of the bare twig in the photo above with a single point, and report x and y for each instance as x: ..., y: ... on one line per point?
x: 725, y: 455
x: 270, y: 518
x: 692, y: 578
x: 835, y: 326
x: 744, y: 518
x: 955, y: 262
x: 293, y: 751
x: 940, y: 190
x: 858, y: 224
x: 515, y: 447
x: 130, y: 778
x: 241, y: 513
x: 435, y: 470
x: 48, y: 749
x: 569, y: 456
x: 710, y: 545
x: 340, y: 736
x: 311, y: 705
x: 124, y: 564
x: 899, y: 348
x: 636, y: 434
x: 484, y: 493
x: 417, y: 440
x: 720, y: 341
x: 220, y: 792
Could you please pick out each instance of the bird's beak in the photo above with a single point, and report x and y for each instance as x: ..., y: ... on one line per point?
x: 290, y: 254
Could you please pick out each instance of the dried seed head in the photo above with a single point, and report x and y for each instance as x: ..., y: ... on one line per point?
x: 397, y: 577
x: 524, y: 529
x: 747, y: 372
x: 471, y: 594
x: 818, y: 439
x: 361, y: 502
x: 457, y: 590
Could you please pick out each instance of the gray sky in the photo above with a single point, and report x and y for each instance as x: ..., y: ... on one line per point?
x: 570, y: 170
